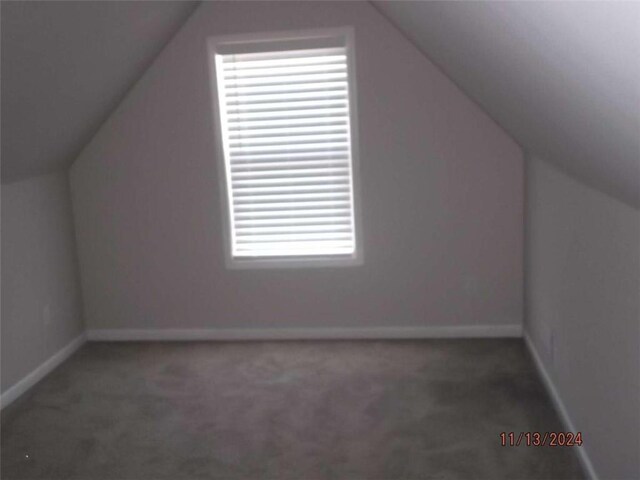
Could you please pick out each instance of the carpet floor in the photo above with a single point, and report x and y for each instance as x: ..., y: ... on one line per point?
x: 311, y: 410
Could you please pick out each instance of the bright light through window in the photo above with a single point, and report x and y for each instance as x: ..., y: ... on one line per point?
x: 286, y: 126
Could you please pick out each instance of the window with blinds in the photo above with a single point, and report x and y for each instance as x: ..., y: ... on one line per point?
x: 286, y: 114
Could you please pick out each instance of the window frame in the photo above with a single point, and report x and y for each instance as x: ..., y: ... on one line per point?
x: 314, y: 38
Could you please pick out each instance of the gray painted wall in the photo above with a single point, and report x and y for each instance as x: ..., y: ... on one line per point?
x: 583, y: 310
x: 442, y: 197
x: 41, y: 305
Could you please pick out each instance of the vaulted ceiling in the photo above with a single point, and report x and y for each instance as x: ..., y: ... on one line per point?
x: 562, y: 78
x: 66, y: 66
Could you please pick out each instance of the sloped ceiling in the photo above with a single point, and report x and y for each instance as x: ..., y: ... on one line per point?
x: 563, y: 78
x: 66, y: 66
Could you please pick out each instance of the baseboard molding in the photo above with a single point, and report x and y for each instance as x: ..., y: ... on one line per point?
x: 41, y: 371
x: 328, y: 333
x: 560, y: 407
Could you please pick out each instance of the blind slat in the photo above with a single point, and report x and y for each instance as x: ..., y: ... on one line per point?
x: 230, y: 91
x: 257, y: 158
x: 285, y: 79
x: 309, y: 113
x: 289, y: 131
x: 249, y: 238
x: 293, y: 229
x: 232, y: 74
x: 332, y: 219
x: 248, y: 191
x: 303, y: 60
x: 288, y: 173
x: 286, y: 106
x: 257, y: 167
x: 285, y: 207
x: 285, y: 148
x: 286, y: 181
x: 258, y: 200
x: 289, y: 55
x: 332, y: 137
x: 316, y: 121
x: 283, y: 212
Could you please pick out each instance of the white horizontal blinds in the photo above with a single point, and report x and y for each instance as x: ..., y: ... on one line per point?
x: 286, y: 129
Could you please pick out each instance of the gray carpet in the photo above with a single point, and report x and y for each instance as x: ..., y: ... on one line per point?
x: 286, y: 410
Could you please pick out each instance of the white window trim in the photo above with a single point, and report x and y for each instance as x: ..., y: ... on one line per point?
x: 215, y: 44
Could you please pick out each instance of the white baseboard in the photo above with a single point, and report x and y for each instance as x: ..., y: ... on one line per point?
x: 560, y: 407
x: 328, y: 333
x: 41, y: 371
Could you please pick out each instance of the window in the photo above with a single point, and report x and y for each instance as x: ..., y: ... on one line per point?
x: 286, y: 129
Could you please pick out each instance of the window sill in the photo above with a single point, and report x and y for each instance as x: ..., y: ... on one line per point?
x: 298, y: 262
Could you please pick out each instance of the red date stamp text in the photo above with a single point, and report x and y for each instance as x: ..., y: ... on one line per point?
x: 541, y: 439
